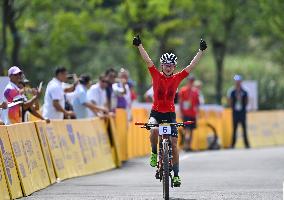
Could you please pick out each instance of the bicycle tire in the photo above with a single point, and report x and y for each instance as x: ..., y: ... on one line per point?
x: 165, y: 170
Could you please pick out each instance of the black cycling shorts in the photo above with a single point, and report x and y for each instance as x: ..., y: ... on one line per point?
x: 189, y: 126
x: 169, y: 117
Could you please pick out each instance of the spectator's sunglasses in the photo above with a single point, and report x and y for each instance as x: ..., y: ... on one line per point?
x: 104, y: 81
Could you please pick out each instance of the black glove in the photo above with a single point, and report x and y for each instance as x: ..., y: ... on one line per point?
x: 203, y: 45
x: 137, y: 41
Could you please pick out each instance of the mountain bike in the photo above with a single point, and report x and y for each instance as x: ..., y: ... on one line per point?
x: 165, y: 162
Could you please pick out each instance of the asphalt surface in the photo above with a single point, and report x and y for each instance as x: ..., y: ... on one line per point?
x: 254, y: 174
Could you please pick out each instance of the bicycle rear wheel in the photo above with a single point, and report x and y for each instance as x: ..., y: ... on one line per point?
x: 165, y: 170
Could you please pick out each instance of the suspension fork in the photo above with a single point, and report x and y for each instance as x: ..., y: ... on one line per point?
x: 161, y: 145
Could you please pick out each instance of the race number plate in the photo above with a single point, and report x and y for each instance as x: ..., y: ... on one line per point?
x: 165, y: 130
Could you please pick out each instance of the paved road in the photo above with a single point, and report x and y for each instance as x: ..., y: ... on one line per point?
x: 255, y: 174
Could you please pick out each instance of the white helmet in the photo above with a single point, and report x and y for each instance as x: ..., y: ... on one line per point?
x: 168, y: 58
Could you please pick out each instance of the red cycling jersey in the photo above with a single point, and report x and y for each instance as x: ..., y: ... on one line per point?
x: 165, y: 88
x: 189, y: 101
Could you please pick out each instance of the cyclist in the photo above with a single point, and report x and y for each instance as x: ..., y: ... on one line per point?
x: 165, y: 84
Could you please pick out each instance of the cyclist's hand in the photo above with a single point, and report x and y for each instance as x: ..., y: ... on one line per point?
x: 137, y: 41
x: 203, y: 45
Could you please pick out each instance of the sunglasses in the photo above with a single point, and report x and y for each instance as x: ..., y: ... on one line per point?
x: 168, y: 65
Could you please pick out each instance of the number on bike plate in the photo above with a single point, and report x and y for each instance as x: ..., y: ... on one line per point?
x: 165, y: 130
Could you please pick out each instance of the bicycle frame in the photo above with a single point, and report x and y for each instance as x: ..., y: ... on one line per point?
x: 165, y: 163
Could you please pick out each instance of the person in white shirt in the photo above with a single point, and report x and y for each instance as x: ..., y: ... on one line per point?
x: 97, y: 94
x: 54, y: 103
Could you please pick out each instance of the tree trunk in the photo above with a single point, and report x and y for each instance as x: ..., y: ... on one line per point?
x: 11, y: 20
x: 219, y: 49
x: 17, y: 43
x: 3, y: 58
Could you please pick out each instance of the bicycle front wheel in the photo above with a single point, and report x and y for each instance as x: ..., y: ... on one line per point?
x: 166, y: 170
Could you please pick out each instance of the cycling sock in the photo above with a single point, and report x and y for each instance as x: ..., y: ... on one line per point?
x: 154, y: 149
x: 176, y: 169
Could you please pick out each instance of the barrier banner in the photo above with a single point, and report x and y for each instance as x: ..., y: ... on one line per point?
x: 121, y: 130
x: 41, y: 130
x: 227, y: 128
x: 53, y: 141
x: 28, y: 156
x: 265, y: 128
x: 84, y: 139
x: 106, y: 160
x: 69, y: 147
x: 9, y: 166
x: 278, y: 127
x: 4, y: 193
x: 138, y: 138
x: 115, y: 138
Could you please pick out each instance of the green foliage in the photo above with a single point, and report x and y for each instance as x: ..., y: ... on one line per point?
x: 90, y: 36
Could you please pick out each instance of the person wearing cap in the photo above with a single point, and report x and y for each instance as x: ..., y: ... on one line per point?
x: 12, y: 93
x: 54, y: 101
x: 238, y: 100
x: 189, y: 103
x: 80, y: 102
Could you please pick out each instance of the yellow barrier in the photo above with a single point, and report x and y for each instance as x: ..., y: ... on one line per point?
x: 94, y: 145
x: 79, y: 147
x: 138, y: 142
x: 39, y: 153
x: 53, y: 141
x: 105, y: 158
x: 115, y: 140
x: 265, y: 128
x: 41, y: 130
x: 121, y: 130
x: 9, y: 166
x: 28, y: 157
x: 227, y: 128
x: 4, y: 193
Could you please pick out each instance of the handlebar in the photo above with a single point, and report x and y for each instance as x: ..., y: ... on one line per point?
x: 149, y: 125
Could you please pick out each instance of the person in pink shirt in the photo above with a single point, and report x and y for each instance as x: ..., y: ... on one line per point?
x: 12, y: 94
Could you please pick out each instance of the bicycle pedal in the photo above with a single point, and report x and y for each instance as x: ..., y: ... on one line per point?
x: 177, y: 185
x: 157, y: 175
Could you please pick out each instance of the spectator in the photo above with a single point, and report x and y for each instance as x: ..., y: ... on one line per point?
x: 121, y: 91
x: 189, y: 102
x: 110, y: 75
x: 149, y: 95
x: 12, y: 94
x: 198, y: 85
x: 80, y: 102
x: 3, y: 105
x: 53, y: 107
x: 27, y: 93
x: 133, y: 94
x: 97, y: 94
x: 238, y: 100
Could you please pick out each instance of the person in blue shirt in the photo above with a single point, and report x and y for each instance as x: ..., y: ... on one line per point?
x: 80, y: 102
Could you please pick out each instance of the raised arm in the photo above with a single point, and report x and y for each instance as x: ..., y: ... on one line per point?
x: 197, y: 57
x: 137, y: 42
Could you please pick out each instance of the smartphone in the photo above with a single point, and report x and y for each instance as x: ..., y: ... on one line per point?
x: 40, y: 86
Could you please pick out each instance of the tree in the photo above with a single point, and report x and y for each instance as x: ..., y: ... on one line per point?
x: 219, y: 20
x: 12, y: 11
